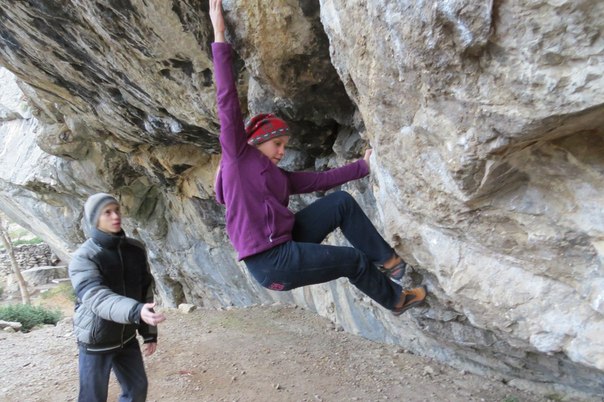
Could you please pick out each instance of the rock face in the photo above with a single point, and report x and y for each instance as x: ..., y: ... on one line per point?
x: 43, y: 275
x: 486, y: 120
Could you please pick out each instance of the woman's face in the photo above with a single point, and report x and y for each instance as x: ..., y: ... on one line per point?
x: 274, y: 149
x: 110, y: 220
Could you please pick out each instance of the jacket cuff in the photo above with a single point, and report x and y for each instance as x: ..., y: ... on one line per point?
x: 364, y: 167
x: 150, y: 339
x: 135, y: 314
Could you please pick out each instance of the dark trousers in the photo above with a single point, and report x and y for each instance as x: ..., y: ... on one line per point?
x: 127, y: 364
x: 304, y: 261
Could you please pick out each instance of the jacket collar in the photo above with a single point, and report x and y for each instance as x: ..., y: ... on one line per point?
x: 108, y: 240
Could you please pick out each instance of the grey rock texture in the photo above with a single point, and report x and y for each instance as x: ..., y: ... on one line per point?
x: 485, y: 119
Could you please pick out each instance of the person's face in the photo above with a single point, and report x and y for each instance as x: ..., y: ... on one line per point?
x: 110, y: 220
x: 274, y: 149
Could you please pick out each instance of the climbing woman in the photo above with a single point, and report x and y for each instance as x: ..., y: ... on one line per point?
x: 283, y: 250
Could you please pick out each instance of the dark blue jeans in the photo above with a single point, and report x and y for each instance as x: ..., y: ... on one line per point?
x: 304, y: 261
x: 127, y: 364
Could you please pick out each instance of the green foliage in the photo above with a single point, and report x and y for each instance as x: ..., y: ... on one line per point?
x: 1, y: 291
x: 510, y: 399
x: 35, y: 240
x: 17, y: 232
x: 19, y: 236
x: 63, y: 289
x: 29, y: 316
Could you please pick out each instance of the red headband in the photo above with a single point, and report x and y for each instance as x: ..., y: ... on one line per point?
x: 264, y: 127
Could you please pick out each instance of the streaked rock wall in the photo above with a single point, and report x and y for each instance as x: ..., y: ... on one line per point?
x: 486, y: 124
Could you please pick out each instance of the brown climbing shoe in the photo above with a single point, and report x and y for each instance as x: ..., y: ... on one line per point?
x: 413, y: 297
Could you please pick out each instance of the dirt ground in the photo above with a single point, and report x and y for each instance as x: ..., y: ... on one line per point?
x: 263, y: 353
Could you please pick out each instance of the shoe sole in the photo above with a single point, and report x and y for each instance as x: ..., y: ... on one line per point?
x: 412, y: 304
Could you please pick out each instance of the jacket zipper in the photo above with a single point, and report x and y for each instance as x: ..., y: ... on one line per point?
x: 108, y: 348
x: 268, y: 222
x: 119, y: 252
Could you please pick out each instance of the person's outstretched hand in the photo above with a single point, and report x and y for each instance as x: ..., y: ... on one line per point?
x: 367, y: 156
x: 151, y: 317
x: 217, y: 20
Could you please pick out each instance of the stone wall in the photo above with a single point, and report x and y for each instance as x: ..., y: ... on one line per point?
x: 28, y: 256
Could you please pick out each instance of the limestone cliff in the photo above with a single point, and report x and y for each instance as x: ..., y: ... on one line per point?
x: 486, y: 120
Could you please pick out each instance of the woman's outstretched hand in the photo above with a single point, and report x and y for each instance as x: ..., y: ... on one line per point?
x: 217, y: 20
x: 367, y: 156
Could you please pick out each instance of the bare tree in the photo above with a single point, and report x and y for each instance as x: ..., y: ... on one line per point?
x: 8, y: 246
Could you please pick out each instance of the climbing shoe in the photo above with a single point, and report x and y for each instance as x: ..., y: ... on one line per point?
x: 413, y: 297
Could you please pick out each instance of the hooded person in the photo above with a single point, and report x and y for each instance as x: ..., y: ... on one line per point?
x: 114, y: 302
x: 93, y: 207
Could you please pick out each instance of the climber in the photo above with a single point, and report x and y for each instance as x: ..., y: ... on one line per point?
x: 114, y: 300
x: 283, y: 250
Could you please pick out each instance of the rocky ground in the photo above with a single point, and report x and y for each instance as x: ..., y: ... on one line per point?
x: 263, y: 353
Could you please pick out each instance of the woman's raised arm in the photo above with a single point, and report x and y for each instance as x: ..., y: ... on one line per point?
x: 232, y: 132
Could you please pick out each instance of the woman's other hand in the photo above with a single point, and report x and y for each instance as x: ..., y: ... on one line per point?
x: 367, y: 156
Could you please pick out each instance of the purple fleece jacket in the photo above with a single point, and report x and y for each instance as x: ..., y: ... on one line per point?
x: 254, y: 190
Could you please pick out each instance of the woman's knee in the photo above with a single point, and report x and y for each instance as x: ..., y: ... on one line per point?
x: 347, y: 205
x: 342, y: 195
x: 343, y: 198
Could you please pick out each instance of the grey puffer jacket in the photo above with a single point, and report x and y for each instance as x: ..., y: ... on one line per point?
x: 111, y: 278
